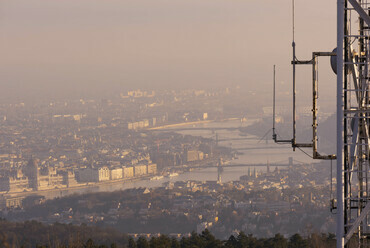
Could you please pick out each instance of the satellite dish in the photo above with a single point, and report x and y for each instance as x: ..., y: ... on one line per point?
x: 333, y: 61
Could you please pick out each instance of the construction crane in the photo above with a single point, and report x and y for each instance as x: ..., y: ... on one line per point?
x: 351, y: 62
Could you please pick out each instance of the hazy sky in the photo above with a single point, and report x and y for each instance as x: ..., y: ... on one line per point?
x: 57, y: 47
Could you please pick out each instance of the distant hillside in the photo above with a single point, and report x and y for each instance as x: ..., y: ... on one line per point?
x: 326, y: 132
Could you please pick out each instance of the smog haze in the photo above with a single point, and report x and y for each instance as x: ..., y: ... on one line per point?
x: 82, y: 48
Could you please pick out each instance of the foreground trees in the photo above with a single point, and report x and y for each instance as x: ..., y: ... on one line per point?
x: 34, y: 234
x: 207, y: 240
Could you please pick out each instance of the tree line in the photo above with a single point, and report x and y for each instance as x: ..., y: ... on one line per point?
x: 32, y: 234
x: 207, y: 240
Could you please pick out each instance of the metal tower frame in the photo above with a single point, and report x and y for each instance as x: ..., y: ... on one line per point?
x: 353, y: 114
x: 353, y: 120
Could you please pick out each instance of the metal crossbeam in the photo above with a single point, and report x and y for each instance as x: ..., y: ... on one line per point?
x: 353, y: 114
x: 360, y: 11
x: 357, y: 223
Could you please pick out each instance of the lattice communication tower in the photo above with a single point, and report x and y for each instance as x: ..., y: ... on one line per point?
x: 353, y: 115
x: 351, y: 62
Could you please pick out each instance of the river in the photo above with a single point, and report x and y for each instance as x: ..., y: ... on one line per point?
x: 255, y: 151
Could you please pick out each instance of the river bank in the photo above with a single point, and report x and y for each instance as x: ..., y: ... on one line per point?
x: 253, y: 151
x: 118, y: 183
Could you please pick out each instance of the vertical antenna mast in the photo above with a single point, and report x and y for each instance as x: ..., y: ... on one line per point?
x: 294, y: 62
x: 274, y: 135
x: 340, y: 196
x: 314, y: 63
x: 273, y: 108
x: 294, y: 90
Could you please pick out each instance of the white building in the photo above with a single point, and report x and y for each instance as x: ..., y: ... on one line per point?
x: 94, y: 174
x: 116, y: 173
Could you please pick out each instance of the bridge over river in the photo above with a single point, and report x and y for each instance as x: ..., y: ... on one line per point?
x: 238, y: 165
x: 176, y: 129
x: 284, y: 163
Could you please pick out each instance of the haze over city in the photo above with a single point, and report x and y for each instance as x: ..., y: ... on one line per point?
x: 83, y: 47
x: 137, y: 123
